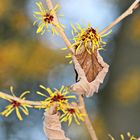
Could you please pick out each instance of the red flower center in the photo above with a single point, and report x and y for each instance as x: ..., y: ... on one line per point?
x: 90, y: 34
x: 15, y: 104
x: 71, y: 111
x: 58, y: 97
x: 48, y: 18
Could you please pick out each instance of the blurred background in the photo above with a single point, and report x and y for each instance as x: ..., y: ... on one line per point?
x: 28, y: 60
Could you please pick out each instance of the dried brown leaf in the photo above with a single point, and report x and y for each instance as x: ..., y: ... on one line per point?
x: 89, y: 63
x: 90, y: 72
x: 52, y: 125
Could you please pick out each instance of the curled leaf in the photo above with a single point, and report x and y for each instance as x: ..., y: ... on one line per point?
x: 90, y: 72
x: 52, y: 125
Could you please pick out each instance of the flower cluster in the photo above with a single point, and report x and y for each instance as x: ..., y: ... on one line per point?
x: 129, y: 137
x: 72, y: 111
x: 57, y: 96
x: 61, y: 97
x: 46, y: 18
x: 15, y: 105
x: 87, y: 37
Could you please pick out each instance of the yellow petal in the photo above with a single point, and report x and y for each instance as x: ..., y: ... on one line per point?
x: 24, y: 93
x: 75, y: 118
x: 50, y: 91
x: 18, y: 114
x: 27, y: 105
x: 63, y: 49
x: 56, y: 7
x: 40, y: 6
x: 104, y: 35
x: 69, y: 120
x: 62, y: 88
x: 24, y: 111
x: 122, y: 137
x: 38, y: 13
x: 8, y: 108
x: 74, y: 29
x: 62, y: 116
x: 40, y: 28
x: 71, y: 97
x: 12, y: 90
x: 79, y: 27
x: 111, y: 137
x: 43, y: 87
x: 71, y: 62
x: 9, y: 112
x: 39, y: 93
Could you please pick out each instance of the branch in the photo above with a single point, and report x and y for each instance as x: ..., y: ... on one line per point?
x: 32, y: 103
x: 28, y: 102
x: 128, y: 12
x: 61, y: 32
x: 87, y: 120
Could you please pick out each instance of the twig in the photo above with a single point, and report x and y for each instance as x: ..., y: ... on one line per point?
x: 32, y: 103
x: 87, y: 120
x: 28, y: 102
x: 128, y: 12
x: 61, y: 32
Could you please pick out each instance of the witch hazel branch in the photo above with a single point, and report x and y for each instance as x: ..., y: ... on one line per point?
x: 90, y: 71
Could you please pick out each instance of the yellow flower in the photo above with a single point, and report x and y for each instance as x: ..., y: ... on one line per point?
x: 69, y: 55
x: 130, y: 137
x: 57, y: 96
x: 71, y: 112
x: 45, y: 19
x: 15, y: 105
x: 88, y: 38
